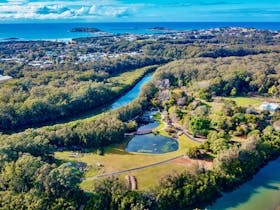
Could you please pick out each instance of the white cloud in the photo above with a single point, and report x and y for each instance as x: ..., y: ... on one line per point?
x: 42, y: 9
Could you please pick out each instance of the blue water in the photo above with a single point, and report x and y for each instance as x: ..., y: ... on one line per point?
x: 60, y: 31
x: 152, y: 144
x: 261, y: 193
x: 122, y: 101
x: 132, y: 94
x: 149, y: 126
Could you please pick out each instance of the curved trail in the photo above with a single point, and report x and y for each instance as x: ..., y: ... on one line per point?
x: 133, y: 169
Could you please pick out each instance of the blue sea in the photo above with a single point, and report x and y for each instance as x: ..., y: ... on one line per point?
x: 61, y: 31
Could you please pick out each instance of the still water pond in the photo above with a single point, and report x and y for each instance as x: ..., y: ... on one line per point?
x: 261, y: 193
x: 152, y: 144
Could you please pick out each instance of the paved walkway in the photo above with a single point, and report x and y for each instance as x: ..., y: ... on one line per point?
x: 133, y: 169
x: 193, y: 138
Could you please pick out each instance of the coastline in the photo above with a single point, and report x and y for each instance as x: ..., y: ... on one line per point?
x: 61, y: 31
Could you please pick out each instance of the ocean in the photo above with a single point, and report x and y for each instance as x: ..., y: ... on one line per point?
x: 61, y: 31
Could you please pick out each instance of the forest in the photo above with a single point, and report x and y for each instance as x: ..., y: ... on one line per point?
x: 191, y: 77
x: 42, y: 97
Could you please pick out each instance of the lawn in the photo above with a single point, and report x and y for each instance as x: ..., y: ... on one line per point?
x: 246, y: 101
x: 146, y: 178
x: 161, y: 125
x: 117, y: 159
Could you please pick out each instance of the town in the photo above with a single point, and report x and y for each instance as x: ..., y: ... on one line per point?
x: 46, y: 54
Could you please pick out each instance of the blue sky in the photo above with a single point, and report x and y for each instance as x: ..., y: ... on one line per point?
x: 136, y: 10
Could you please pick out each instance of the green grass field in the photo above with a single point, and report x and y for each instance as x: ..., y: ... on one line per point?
x: 246, y: 101
x: 117, y: 159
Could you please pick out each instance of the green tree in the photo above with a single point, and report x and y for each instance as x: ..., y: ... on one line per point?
x: 193, y: 152
x: 20, y: 176
x: 199, y: 125
x: 233, y: 92
x: 273, y: 90
x: 219, y: 145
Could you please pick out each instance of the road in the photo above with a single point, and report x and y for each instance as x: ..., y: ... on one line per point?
x: 133, y: 169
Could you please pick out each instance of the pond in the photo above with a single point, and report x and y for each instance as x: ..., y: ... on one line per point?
x: 152, y: 144
x: 261, y: 193
x: 149, y: 126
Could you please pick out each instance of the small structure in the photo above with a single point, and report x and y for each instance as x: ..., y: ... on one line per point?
x: 3, y: 78
x: 68, y: 164
x: 74, y: 155
x: 143, y: 132
x: 131, y: 182
x: 271, y: 107
x: 81, y: 166
x: 147, y: 117
x: 129, y: 134
x: 99, y: 164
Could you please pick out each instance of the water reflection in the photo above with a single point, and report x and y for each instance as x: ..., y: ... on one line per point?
x: 152, y: 144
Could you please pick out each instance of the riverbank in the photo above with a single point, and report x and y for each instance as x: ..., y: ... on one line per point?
x: 262, y: 192
x: 124, y: 83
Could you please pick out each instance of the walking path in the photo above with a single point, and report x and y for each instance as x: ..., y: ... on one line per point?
x: 186, y: 132
x: 193, y: 138
x: 133, y: 169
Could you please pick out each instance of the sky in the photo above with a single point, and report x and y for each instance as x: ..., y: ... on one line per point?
x: 139, y: 11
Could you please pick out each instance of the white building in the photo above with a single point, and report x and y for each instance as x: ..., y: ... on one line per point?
x: 3, y: 78
x: 272, y: 107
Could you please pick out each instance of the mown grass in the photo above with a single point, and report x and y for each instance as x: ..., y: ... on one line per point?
x: 150, y: 177
x: 117, y: 159
x: 161, y: 125
x: 246, y: 101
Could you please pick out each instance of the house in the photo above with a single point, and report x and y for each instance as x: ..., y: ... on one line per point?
x: 272, y: 107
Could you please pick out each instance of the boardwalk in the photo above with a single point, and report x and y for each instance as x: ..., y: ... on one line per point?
x: 142, y: 132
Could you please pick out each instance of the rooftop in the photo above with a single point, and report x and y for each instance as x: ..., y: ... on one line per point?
x: 2, y: 78
x: 269, y: 107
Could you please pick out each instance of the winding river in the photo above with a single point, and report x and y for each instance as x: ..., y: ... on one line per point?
x: 261, y: 193
x: 122, y: 101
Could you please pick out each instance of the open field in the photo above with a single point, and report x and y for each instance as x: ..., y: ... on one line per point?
x: 117, y: 159
x: 247, y: 101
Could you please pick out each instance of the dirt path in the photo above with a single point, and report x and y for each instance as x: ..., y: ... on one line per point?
x: 133, y: 169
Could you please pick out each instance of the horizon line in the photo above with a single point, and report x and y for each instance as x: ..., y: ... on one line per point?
x: 85, y: 22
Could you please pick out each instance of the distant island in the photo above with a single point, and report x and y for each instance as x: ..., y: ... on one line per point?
x: 12, y: 38
x: 160, y: 29
x: 82, y: 29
